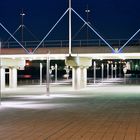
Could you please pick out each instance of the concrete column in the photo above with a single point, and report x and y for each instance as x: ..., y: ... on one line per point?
x: 41, y: 66
x: 120, y: 68
x: 94, y: 65
x: 102, y: 71
x: 48, y: 75
x: 83, y: 80
x: 55, y: 73
x: 79, y: 70
x: 79, y: 77
x: 111, y: 70
x: 115, y: 70
x: 76, y: 77
x: 2, y: 78
x: 13, y: 77
x: 107, y: 70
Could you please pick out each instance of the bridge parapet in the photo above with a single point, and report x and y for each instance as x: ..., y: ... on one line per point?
x: 64, y: 50
x: 75, y: 43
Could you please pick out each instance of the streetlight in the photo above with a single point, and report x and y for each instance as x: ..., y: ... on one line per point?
x: 87, y: 11
x: 22, y: 24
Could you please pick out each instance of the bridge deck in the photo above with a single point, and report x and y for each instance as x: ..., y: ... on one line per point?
x: 132, y: 52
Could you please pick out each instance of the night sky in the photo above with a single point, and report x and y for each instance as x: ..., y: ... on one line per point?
x: 113, y: 19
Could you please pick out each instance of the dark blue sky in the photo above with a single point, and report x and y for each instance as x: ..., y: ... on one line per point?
x: 112, y: 19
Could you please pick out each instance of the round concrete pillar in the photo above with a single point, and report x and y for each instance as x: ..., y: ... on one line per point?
x: 13, y: 77
x: 76, y: 77
x: 112, y: 71
x: 2, y: 78
x: 102, y: 74
x: 79, y: 77
x: 115, y: 70
x: 107, y: 70
x: 94, y: 65
x: 83, y: 77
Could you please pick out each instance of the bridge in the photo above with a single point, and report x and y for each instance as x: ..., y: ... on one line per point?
x: 13, y: 57
x: 77, y: 53
x: 58, y: 49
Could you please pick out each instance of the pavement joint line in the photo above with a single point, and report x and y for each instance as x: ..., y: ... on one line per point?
x: 58, y: 131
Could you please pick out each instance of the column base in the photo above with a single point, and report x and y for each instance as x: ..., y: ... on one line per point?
x: 79, y: 70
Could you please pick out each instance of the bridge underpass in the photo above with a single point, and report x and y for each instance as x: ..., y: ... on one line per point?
x: 15, y: 58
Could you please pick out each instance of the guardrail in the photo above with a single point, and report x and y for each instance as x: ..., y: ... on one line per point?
x: 75, y: 43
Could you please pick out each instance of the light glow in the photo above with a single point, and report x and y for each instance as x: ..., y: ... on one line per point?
x: 63, y: 56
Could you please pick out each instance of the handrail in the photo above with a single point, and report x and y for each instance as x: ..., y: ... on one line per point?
x: 75, y: 43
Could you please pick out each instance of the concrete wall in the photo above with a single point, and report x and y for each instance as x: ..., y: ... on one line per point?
x: 64, y: 50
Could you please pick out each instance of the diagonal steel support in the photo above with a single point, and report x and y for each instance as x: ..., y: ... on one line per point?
x: 50, y: 31
x: 94, y: 31
x: 129, y: 40
x: 14, y: 38
x: 79, y: 31
x: 14, y: 33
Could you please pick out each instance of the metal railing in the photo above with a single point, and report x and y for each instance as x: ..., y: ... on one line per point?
x: 75, y: 43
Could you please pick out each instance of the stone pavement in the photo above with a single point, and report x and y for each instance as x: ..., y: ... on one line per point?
x: 96, y: 113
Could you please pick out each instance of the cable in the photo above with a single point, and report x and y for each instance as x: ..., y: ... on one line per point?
x: 14, y: 38
x: 78, y: 31
x: 94, y: 31
x: 50, y: 30
x: 13, y: 33
x: 129, y: 40
x: 31, y: 33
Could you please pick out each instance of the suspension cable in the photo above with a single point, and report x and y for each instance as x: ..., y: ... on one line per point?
x: 129, y: 40
x: 14, y: 38
x: 94, y: 31
x: 50, y: 31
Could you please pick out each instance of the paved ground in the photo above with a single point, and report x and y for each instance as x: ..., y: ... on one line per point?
x: 97, y: 113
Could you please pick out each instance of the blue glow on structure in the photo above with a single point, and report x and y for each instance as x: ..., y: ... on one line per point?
x: 116, y: 51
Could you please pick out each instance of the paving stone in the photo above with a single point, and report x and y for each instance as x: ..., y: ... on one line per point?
x: 96, y: 113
